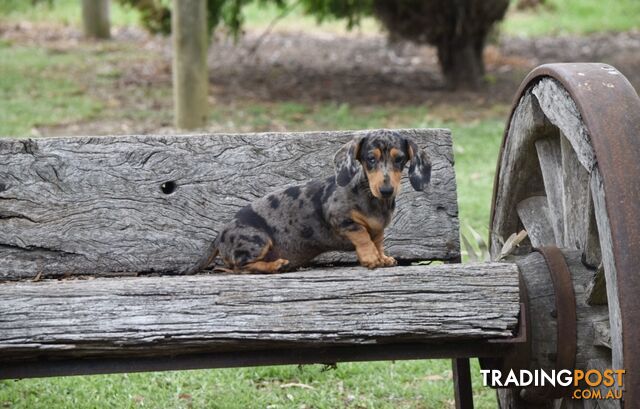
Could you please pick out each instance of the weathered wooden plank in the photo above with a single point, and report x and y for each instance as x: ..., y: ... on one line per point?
x: 153, y: 203
x: 341, y: 306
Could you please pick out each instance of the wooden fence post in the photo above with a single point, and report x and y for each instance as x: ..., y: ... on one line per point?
x: 190, y: 81
x: 95, y: 19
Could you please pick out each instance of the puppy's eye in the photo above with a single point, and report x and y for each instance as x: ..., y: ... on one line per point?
x: 371, y: 161
x: 399, y: 159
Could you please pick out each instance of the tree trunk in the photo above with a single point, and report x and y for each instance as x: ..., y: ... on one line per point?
x: 95, y: 19
x: 461, y: 63
x: 190, y: 81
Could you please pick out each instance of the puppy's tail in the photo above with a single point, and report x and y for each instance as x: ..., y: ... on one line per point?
x: 208, y: 257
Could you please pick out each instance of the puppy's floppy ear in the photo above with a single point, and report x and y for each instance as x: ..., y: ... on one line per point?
x: 346, y: 161
x: 419, y: 166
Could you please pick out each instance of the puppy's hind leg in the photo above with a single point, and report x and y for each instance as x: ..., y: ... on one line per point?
x: 267, y: 266
x: 259, y: 265
x: 251, y: 250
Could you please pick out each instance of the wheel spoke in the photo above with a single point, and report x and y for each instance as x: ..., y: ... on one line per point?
x: 575, y: 197
x: 534, y: 215
x: 592, y: 255
x: 550, y: 158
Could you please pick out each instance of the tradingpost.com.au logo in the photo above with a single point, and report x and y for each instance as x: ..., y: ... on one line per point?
x: 591, y: 384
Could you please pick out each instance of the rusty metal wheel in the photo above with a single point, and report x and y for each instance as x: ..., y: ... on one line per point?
x: 569, y: 174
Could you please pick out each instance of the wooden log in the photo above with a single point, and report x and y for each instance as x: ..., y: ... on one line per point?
x: 93, y: 206
x: 152, y: 316
x: 95, y: 19
x: 190, y: 74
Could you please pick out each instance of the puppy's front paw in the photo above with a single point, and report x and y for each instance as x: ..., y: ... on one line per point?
x: 388, y: 261
x: 370, y: 260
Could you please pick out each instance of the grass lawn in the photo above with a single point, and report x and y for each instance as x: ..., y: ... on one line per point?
x: 575, y: 17
x: 558, y: 17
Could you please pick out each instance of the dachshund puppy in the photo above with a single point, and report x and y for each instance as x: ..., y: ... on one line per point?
x: 348, y: 211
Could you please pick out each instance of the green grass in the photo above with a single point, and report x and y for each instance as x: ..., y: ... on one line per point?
x: 65, y: 12
x: 392, y: 385
x: 560, y: 17
x: 575, y: 17
x: 35, y: 89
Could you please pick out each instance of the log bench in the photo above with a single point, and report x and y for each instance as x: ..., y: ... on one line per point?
x: 96, y: 235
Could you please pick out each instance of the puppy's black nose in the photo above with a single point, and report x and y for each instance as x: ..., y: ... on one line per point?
x: 386, y: 191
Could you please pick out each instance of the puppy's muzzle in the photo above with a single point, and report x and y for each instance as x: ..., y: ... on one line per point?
x: 386, y: 191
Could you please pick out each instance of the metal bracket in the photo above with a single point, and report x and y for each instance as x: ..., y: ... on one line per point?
x: 566, y: 323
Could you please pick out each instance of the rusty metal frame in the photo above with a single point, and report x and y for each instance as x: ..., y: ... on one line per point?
x: 308, y: 355
x: 566, y: 316
x: 612, y: 119
x: 566, y: 321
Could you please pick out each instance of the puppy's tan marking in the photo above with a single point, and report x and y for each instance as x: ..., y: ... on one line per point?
x: 410, y: 152
x: 264, y: 251
x: 374, y: 226
x: 258, y: 265
x: 366, y: 251
x: 266, y: 266
x: 395, y: 174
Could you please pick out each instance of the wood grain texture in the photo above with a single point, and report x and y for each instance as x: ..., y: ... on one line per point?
x: 519, y: 176
x: 547, y: 119
x: 609, y: 265
x: 575, y: 198
x: 597, y: 289
x: 95, y: 205
x: 534, y: 214
x: 561, y: 110
x: 550, y: 157
x: 107, y: 317
x: 533, y: 162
